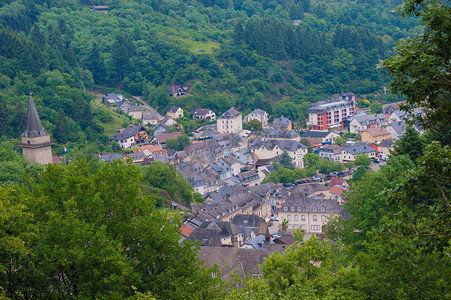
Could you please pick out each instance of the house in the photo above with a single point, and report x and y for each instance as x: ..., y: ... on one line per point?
x: 375, y: 135
x: 131, y: 136
x: 275, y: 133
x: 318, y: 137
x: 198, y: 183
x: 151, y: 117
x: 230, y: 122
x: 249, y: 225
x: 396, y: 129
x: 112, y: 99
x: 204, y: 114
x: 338, y: 181
x: 222, y: 168
x: 259, y: 115
x: 162, y: 127
x: 330, y: 152
x: 178, y: 91
x: 175, y: 112
x: 249, y: 178
x: 308, y: 212
x: 272, y: 148
x: 282, y: 123
x: 337, y: 193
x: 160, y: 140
x: 385, y: 147
x: 332, y: 113
x: 361, y: 122
x: 217, y: 234
x: 135, y: 111
x: 350, y: 152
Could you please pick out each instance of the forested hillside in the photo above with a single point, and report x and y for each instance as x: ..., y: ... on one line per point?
x: 248, y: 54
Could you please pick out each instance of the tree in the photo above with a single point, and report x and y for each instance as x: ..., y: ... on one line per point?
x: 62, y: 130
x: 359, y: 173
x: 362, y: 160
x: 122, y: 52
x: 85, y: 238
x: 340, y: 141
x: 4, y: 117
x: 376, y: 107
x: 311, y: 160
x: 178, y: 144
x: 410, y: 144
x: 420, y: 67
x: 286, y: 161
x: 253, y: 125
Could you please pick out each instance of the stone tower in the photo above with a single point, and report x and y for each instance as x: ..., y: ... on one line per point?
x: 36, y: 143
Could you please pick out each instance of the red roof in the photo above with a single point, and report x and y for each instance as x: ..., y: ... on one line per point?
x: 163, y: 137
x: 151, y: 148
x: 336, y: 181
x: 337, y: 190
x: 185, y: 230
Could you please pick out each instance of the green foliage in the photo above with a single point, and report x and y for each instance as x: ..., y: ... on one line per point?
x: 311, y: 160
x: 253, y: 125
x: 85, y: 237
x: 168, y: 183
x: 286, y: 161
x: 179, y: 143
x: 340, y: 141
x: 410, y: 144
x: 362, y: 160
x: 376, y: 107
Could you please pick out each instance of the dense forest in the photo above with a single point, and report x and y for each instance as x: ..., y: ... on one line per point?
x: 247, y: 54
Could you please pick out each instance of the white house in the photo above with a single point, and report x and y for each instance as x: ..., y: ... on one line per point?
x: 259, y: 115
x: 204, y: 114
x: 230, y: 122
x: 272, y: 148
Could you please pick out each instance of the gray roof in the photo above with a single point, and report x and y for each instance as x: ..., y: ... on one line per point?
x: 135, y: 108
x: 173, y: 109
x: 359, y: 148
x: 113, y: 96
x: 303, y: 201
x: 232, y: 113
x: 258, y: 111
x: 316, y: 133
x: 241, y: 220
x: 201, y: 111
x: 151, y: 115
x: 196, y: 181
x: 210, y: 232
x: 279, y: 133
x: 288, y: 145
x: 398, y: 126
x: 386, y: 144
x: 34, y: 127
x: 111, y: 157
x: 258, y: 241
x: 282, y: 121
x: 129, y: 131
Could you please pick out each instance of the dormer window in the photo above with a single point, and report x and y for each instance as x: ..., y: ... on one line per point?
x: 292, y: 208
x: 315, y: 208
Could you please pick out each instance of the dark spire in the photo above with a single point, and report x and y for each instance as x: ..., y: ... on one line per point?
x: 267, y: 237
x: 34, y: 127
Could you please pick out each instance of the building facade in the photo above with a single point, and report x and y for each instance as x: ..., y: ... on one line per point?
x: 331, y: 114
x: 230, y: 122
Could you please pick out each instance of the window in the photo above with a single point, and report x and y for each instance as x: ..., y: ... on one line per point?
x: 296, y: 226
x: 289, y: 217
x: 323, y: 208
x: 299, y: 208
x: 292, y: 208
x: 315, y: 208
x: 296, y: 217
x: 304, y: 227
x: 316, y: 227
x: 315, y: 218
x: 285, y: 208
x: 302, y: 218
x: 323, y: 218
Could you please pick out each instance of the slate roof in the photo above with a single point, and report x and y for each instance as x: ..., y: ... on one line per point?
x: 201, y: 111
x: 110, y: 157
x: 135, y: 108
x: 386, y: 144
x: 358, y: 148
x: 398, y: 126
x: 281, y: 122
x: 163, y: 137
x: 151, y: 115
x: 288, y: 145
x: 128, y: 132
x: 209, y: 233
x: 173, y: 109
x: 113, y: 96
x: 303, y: 201
x: 196, y: 181
x: 241, y: 220
x: 286, y: 239
x: 316, y: 133
x: 34, y: 126
x: 232, y: 113
x: 258, y: 241
x: 279, y: 133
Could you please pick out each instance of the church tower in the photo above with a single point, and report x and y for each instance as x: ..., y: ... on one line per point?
x: 36, y: 143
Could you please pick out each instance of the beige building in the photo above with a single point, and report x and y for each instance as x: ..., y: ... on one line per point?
x: 308, y: 212
x: 375, y: 135
x: 36, y: 143
x: 230, y: 122
x: 350, y: 153
x: 175, y: 112
x: 272, y: 148
x: 318, y: 137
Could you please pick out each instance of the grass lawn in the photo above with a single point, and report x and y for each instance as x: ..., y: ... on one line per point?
x: 117, y: 118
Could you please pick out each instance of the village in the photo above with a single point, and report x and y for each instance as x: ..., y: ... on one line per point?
x: 243, y: 219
